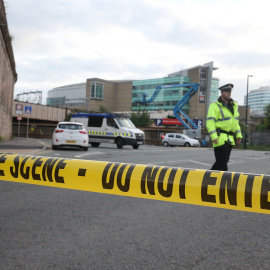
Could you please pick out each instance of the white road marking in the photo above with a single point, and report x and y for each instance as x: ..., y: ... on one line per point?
x: 257, y: 157
x: 179, y: 161
x: 91, y: 153
x: 206, y: 164
x: 234, y: 162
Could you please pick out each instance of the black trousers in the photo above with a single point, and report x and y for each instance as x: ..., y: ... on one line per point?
x: 222, y: 155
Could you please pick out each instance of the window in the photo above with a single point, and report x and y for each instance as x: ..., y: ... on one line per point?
x: 125, y: 122
x: 111, y: 123
x: 171, y: 135
x: 95, y: 121
x: 96, y: 90
x: 71, y: 126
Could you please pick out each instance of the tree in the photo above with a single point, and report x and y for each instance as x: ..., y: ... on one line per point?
x: 141, y: 118
x: 267, y: 116
x: 102, y: 109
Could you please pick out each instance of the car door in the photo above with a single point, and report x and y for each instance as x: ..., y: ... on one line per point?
x: 178, y: 139
x: 184, y: 140
x: 171, y: 139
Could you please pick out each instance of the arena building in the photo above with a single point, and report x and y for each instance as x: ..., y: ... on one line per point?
x: 68, y: 95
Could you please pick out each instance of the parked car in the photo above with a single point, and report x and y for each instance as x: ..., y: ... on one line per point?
x: 178, y: 139
x: 70, y: 134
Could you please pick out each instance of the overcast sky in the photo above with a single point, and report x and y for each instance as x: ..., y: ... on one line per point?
x: 61, y: 42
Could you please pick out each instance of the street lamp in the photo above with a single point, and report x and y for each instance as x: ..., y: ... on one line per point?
x: 247, y: 111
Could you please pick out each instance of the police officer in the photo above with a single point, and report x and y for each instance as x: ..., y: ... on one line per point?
x: 223, y: 126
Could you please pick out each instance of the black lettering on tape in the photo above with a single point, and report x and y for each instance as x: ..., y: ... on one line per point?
x: 166, y: 192
x: 208, y: 180
x: 248, y: 190
x: 36, y: 164
x: 82, y: 172
x: 25, y: 175
x: 182, y: 186
x: 148, y: 177
x: 60, y: 166
x: 110, y: 184
x: 2, y: 160
x: 112, y: 175
x: 14, y: 171
x: 124, y: 187
x: 47, y: 169
x: 230, y: 185
x: 104, y: 177
x: 265, y: 204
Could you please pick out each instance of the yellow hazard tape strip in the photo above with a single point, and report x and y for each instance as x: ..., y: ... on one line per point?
x: 237, y: 191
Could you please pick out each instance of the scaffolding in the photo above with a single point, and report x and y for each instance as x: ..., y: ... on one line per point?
x: 31, y: 97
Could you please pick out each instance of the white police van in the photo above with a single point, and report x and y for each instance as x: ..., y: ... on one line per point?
x: 110, y: 128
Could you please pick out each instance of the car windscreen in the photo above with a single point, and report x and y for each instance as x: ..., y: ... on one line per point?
x: 71, y: 126
x: 124, y: 122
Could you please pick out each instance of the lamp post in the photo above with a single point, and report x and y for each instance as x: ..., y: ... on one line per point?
x: 247, y: 111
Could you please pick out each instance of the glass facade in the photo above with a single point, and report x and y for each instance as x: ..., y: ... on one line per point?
x: 165, y: 100
x: 214, y: 90
x: 258, y: 99
x: 60, y: 101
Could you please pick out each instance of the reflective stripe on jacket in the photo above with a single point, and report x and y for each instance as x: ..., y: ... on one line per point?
x: 221, y: 117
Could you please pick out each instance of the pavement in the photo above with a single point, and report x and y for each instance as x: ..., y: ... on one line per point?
x: 19, y: 145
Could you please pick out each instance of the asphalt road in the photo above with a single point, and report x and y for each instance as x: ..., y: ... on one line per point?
x: 50, y: 228
x: 198, y: 158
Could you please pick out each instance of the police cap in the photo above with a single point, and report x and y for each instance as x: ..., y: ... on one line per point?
x: 227, y: 87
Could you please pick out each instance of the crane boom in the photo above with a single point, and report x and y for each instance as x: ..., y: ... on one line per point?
x: 181, y: 103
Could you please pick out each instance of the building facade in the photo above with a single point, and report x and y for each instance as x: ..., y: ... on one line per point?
x: 257, y: 100
x: 114, y: 96
x: 123, y: 96
x: 8, y: 76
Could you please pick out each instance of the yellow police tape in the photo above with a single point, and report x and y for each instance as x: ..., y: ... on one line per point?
x: 231, y: 190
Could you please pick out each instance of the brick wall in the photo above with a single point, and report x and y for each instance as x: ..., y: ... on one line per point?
x: 8, y: 76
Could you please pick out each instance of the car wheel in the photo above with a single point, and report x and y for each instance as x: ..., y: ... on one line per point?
x: 119, y: 143
x: 166, y: 144
x: 54, y: 147
x: 95, y: 144
x: 187, y: 144
x: 135, y: 146
x: 85, y: 148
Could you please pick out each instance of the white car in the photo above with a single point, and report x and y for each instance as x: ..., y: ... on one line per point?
x: 179, y: 139
x: 70, y: 134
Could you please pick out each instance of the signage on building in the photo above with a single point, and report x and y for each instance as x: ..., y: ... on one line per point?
x: 203, y: 84
x: 164, y: 122
x: 19, y: 109
x: 158, y: 122
x: 198, y: 122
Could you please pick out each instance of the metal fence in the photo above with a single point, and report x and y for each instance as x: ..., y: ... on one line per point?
x: 259, y: 138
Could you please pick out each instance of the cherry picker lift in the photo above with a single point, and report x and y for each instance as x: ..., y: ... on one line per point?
x: 178, y: 112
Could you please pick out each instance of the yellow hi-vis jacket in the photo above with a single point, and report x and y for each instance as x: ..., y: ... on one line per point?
x: 221, y: 117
